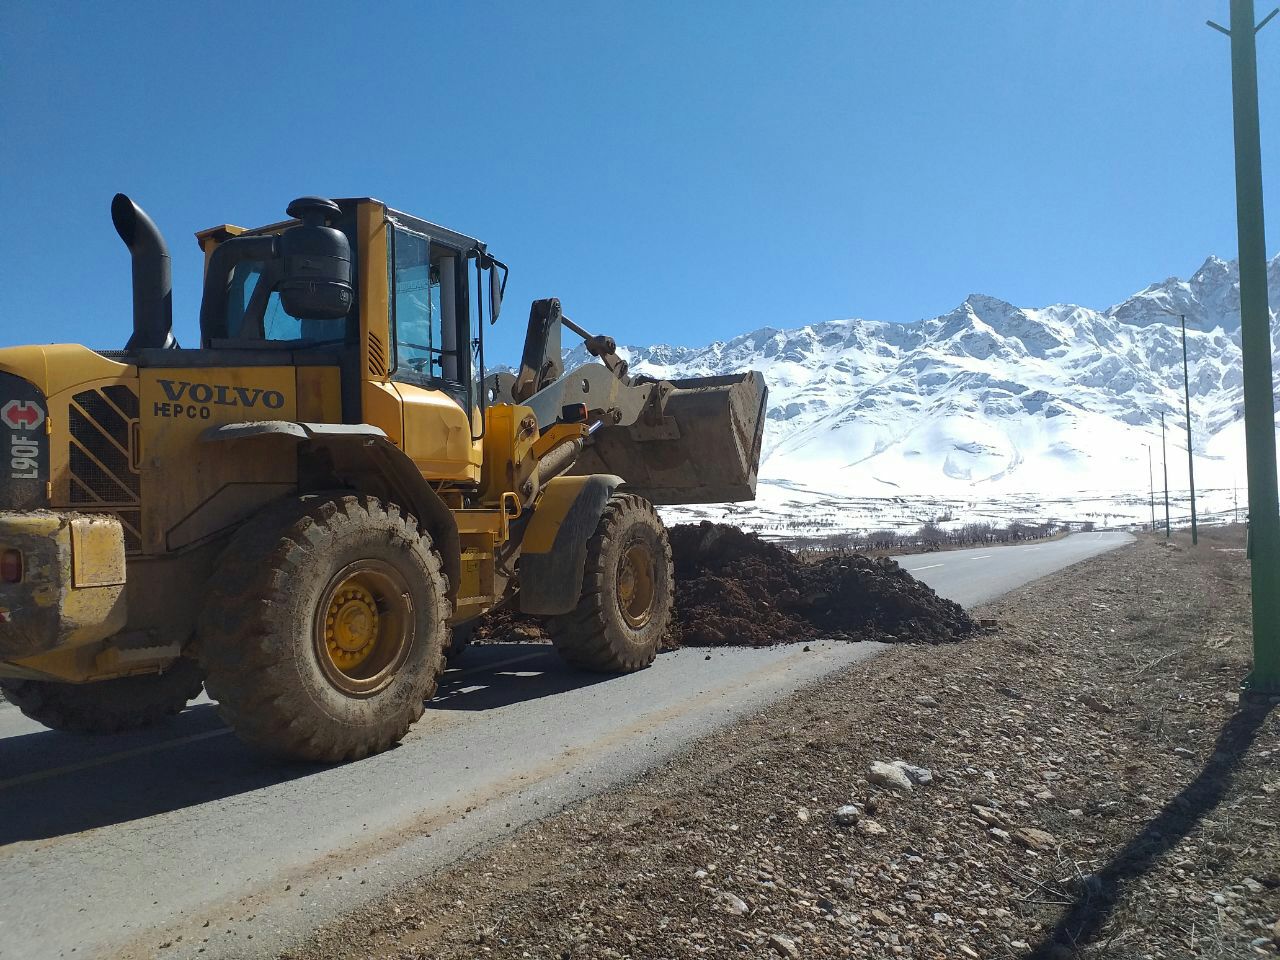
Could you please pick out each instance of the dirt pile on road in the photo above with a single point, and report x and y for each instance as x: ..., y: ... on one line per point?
x: 733, y: 588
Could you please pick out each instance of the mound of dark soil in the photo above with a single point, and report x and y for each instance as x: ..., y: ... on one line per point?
x: 734, y: 588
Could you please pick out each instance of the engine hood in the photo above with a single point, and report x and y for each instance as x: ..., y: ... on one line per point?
x: 59, y: 366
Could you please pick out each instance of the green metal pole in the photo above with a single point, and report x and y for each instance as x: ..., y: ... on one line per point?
x: 1255, y: 336
x: 1164, y: 460
x: 1191, y: 463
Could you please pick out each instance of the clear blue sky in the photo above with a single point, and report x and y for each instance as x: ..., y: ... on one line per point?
x: 672, y: 171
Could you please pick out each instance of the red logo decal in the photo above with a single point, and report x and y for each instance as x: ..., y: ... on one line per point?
x: 22, y: 415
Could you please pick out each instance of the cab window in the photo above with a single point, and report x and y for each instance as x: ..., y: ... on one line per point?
x: 430, y: 344
x: 419, y: 345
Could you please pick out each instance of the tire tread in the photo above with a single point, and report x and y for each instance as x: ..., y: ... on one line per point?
x: 586, y: 636
x: 248, y: 670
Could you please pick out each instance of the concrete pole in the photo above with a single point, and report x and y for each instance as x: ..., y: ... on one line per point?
x: 1255, y: 336
x: 1191, y: 461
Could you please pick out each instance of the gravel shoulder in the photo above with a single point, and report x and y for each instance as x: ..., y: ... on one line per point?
x: 1096, y: 791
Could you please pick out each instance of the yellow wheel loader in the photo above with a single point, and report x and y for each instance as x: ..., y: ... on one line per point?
x: 305, y: 512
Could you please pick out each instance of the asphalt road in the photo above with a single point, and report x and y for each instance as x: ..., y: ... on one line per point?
x: 181, y: 842
x: 971, y: 577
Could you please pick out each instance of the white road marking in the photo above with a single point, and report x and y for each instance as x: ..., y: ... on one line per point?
x: 983, y: 557
x: 929, y: 567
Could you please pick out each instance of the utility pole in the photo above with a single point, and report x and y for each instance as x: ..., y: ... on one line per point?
x: 1255, y: 337
x: 1164, y: 459
x: 1151, y: 483
x: 1191, y: 461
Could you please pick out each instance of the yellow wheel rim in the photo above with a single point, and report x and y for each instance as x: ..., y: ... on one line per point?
x: 351, y: 625
x: 363, y: 627
x: 635, y: 587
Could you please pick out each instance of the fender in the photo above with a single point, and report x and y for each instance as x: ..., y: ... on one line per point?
x: 553, y: 553
x: 359, y: 455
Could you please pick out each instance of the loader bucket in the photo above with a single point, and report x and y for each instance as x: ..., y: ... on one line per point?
x: 706, y: 449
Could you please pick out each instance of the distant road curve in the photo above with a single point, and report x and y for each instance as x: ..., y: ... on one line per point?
x: 972, y: 577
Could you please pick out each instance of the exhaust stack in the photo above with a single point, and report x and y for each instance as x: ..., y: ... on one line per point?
x: 152, y: 276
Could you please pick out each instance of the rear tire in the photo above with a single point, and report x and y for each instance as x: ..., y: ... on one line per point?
x: 324, y: 634
x: 627, y: 586
x: 107, y: 706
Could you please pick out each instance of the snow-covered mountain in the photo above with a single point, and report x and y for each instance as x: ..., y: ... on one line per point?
x: 993, y: 399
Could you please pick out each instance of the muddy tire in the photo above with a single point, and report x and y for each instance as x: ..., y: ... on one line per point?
x: 108, y: 706
x: 627, y: 585
x: 325, y: 629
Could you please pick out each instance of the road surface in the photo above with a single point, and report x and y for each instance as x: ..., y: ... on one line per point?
x: 118, y: 846
x: 971, y: 577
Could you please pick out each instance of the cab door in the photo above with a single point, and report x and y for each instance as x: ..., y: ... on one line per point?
x: 430, y: 368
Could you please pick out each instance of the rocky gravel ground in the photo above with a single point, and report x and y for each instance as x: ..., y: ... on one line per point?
x: 1081, y: 783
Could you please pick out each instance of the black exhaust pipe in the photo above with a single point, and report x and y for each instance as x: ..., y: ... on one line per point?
x: 152, y: 276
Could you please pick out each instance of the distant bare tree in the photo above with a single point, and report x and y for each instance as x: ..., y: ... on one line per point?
x: 931, y: 534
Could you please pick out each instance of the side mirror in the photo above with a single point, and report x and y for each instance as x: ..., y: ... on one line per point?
x: 495, y: 292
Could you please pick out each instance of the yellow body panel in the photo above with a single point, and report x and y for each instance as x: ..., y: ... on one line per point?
x: 436, y: 434
x: 509, y: 435
x: 319, y: 394
x: 59, y: 366
x: 382, y: 409
x: 375, y: 309
x: 179, y: 472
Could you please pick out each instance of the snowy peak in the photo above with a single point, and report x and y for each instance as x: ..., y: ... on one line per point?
x: 1216, y: 272
x: 1211, y: 298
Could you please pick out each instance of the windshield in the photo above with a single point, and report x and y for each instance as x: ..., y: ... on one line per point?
x: 243, y: 322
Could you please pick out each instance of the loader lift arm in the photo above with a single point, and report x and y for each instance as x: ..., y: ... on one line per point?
x: 672, y: 441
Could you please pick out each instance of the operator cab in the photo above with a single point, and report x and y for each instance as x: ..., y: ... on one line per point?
x: 433, y: 294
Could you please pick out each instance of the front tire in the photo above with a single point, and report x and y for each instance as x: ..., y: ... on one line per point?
x: 625, y: 607
x: 107, y: 706
x: 324, y: 634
